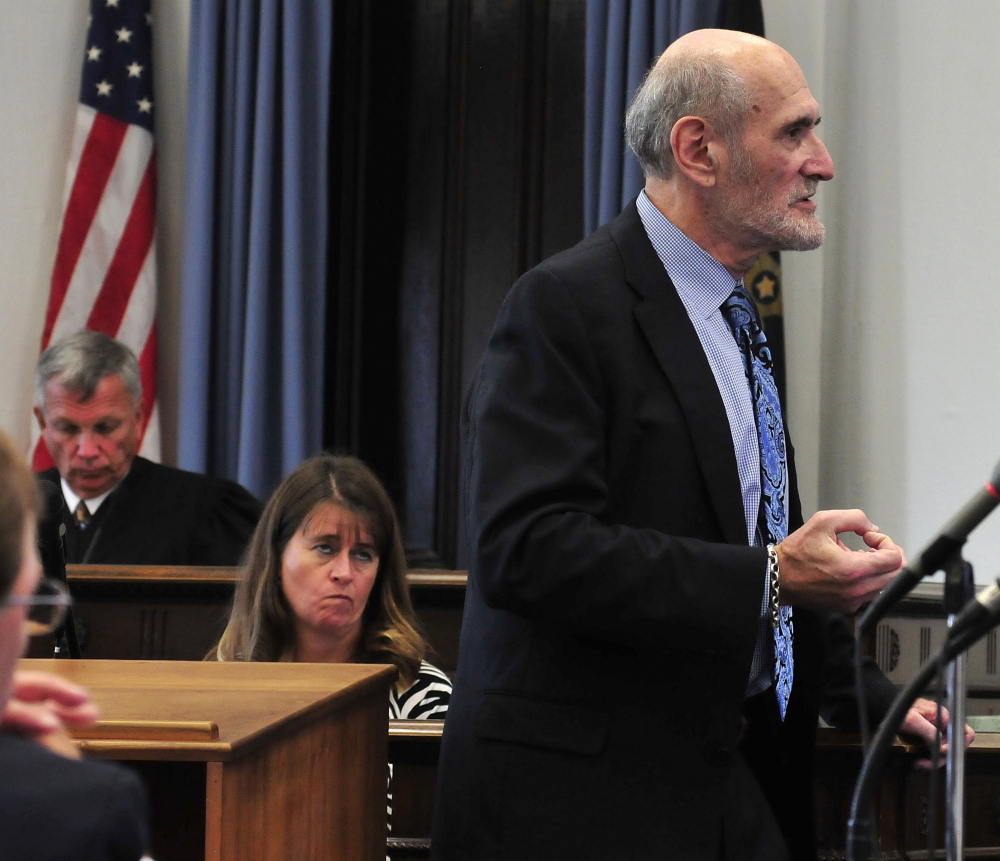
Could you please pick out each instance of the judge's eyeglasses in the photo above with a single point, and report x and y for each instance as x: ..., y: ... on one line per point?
x: 46, y: 608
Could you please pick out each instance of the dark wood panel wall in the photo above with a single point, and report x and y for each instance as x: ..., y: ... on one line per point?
x: 456, y: 164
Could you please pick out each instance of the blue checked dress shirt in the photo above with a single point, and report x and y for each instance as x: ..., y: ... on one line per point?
x: 703, y: 285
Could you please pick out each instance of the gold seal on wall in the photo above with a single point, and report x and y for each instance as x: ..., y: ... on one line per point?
x: 763, y: 281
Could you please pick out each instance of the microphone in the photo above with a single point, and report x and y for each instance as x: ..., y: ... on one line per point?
x: 51, y: 531
x: 52, y: 553
x: 983, y: 608
x: 948, y: 541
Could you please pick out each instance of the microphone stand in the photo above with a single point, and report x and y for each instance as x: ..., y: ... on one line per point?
x: 67, y: 643
x: 859, y: 843
x: 862, y: 840
x: 959, y: 589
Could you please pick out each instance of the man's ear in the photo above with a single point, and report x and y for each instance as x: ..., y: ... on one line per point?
x: 139, y: 406
x: 695, y: 146
x: 39, y: 417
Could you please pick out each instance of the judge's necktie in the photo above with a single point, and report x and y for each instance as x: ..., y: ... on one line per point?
x: 82, y: 514
x: 773, y: 521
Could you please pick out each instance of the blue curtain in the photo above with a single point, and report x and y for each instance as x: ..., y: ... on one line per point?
x: 254, y: 276
x: 623, y: 39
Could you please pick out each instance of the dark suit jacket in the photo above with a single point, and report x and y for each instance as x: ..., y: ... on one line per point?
x: 613, y: 602
x: 160, y: 515
x: 56, y: 809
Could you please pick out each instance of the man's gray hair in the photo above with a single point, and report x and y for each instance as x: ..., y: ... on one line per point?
x: 82, y: 360
x: 706, y: 87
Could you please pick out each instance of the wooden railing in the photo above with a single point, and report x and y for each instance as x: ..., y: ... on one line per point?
x: 178, y: 613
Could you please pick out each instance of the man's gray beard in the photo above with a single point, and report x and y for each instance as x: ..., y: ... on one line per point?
x: 787, y: 231
x: 752, y: 215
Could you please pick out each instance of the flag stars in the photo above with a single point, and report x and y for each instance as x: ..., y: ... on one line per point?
x: 112, y: 4
x: 94, y: 54
x: 134, y: 70
x: 103, y: 88
x: 124, y: 34
x: 145, y: 106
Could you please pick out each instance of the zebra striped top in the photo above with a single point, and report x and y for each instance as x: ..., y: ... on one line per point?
x: 426, y: 699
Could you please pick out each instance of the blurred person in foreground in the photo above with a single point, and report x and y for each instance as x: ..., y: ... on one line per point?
x: 53, y: 807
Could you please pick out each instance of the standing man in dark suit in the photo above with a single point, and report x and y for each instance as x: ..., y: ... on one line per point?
x: 622, y: 691
x: 122, y: 508
x: 52, y: 807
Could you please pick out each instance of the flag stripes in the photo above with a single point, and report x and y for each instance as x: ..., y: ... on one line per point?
x: 104, y: 274
x: 130, y: 255
x: 100, y: 152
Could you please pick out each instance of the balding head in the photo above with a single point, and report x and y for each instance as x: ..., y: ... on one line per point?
x: 712, y: 74
x: 724, y: 127
x: 734, y: 44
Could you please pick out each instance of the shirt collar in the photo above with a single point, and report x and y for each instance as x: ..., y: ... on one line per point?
x: 72, y: 500
x: 702, y: 282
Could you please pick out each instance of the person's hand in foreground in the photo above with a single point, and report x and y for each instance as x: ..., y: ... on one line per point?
x: 43, y: 707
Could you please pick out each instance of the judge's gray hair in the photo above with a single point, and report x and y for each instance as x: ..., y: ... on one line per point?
x: 82, y: 360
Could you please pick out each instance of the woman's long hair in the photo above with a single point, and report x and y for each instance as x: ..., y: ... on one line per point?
x: 262, y: 623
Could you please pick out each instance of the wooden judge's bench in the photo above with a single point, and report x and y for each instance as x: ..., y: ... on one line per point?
x: 177, y: 614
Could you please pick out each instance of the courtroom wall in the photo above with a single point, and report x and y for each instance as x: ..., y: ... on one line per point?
x: 41, y: 52
x: 891, y: 326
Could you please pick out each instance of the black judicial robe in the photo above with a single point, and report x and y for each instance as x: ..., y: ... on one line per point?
x: 160, y: 515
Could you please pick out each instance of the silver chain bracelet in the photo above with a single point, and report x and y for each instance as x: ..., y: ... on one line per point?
x: 772, y: 571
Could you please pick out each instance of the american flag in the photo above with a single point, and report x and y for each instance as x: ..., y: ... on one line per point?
x: 104, y: 277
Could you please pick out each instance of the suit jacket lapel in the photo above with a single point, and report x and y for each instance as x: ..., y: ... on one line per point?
x: 665, y: 323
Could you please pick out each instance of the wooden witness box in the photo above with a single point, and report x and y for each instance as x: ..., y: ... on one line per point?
x: 247, y: 761
x: 414, y: 746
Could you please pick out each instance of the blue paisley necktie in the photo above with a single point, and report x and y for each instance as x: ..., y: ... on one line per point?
x: 773, y: 526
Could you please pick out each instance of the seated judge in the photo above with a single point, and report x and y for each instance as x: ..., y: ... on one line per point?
x: 122, y: 509
x: 324, y: 581
x: 52, y: 806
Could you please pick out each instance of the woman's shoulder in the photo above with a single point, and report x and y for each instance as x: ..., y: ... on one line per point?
x: 426, y: 699
x: 432, y: 673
